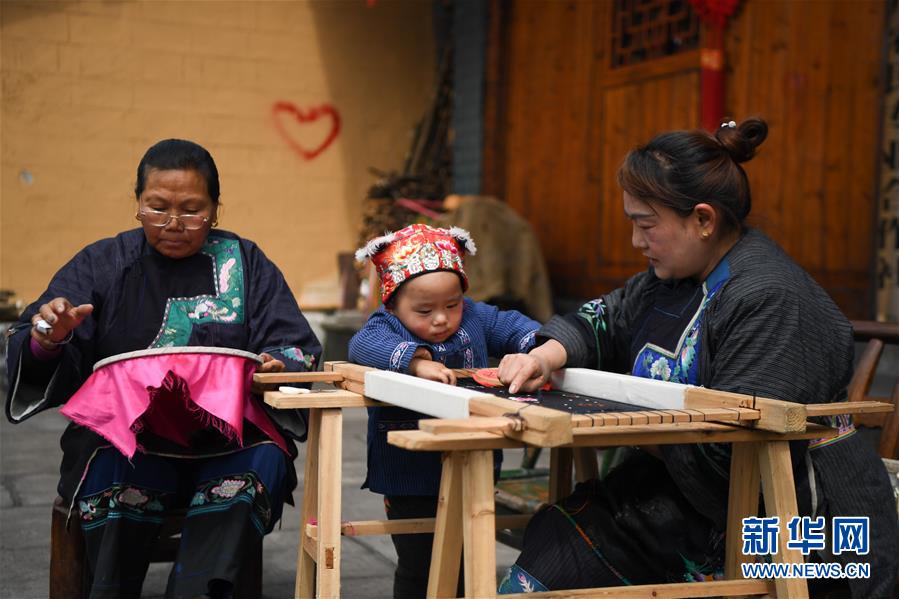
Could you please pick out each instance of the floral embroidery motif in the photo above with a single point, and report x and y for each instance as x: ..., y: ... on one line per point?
x: 118, y: 500
x: 132, y: 497
x: 594, y: 312
x: 518, y: 580
x: 228, y: 488
x: 660, y: 369
x: 296, y: 354
x: 226, y: 306
x: 711, y: 569
x: 214, y: 494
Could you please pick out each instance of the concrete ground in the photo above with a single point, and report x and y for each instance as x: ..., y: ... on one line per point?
x: 29, y: 462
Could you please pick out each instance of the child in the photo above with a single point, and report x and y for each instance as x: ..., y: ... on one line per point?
x: 425, y: 328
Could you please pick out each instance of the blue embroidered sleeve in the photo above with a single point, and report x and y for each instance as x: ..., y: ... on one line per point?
x: 381, y: 343
x: 506, y: 331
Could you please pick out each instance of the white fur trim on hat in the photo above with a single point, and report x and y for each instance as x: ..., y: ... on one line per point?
x: 464, y: 238
x: 374, y: 246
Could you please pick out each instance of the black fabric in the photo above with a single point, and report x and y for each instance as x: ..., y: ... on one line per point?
x: 146, y: 286
x: 675, y: 304
x: 641, y: 527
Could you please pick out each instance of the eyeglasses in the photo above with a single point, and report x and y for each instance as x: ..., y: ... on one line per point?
x: 158, y: 218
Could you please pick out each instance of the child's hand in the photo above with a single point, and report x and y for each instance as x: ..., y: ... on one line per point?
x: 431, y: 370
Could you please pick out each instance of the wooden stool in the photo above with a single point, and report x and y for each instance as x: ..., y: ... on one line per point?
x: 70, y: 576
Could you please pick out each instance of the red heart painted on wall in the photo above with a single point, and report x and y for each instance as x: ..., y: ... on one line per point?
x: 283, y: 110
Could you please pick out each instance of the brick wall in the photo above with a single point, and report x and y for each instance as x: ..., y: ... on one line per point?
x: 88, y: 86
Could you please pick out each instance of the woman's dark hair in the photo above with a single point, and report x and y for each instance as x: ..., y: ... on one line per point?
x: 178, y: 154
x: 681, y: 169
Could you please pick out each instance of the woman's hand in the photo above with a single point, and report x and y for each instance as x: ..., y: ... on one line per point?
x: 62, y: 317
x: 528, y: 372
x: 269, y: 364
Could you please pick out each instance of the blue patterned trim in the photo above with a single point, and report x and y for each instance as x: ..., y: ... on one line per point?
x: 221, y: 494
x: 527, y: 341
x: 121, y: 501
x: 845, y: 429
x: 396, y: 358
x: 519, y: 580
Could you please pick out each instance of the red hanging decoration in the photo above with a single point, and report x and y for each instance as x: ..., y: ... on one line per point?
x: 713, y: 14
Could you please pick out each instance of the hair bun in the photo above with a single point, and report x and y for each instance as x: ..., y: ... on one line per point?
x: 741, y: 140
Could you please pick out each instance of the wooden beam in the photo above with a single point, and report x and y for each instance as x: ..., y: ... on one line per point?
x: 410, y: 526
x: 658, y: 434
x: 554, y: 424
x: 716, y: 588
x: 305, y: 582
x: 560, y: 464
x: 284, y: 378
x: 586, y: 466
x: 848, y: 407
x: 443, y: 576
x: 317, y: 399
x: 328, y: 558
x: 479, y: 524
x: 779, y: 490
x: 350, y: 371
x: 497, y: 425
x: 863, y: 330
x: 775, y: 415
x: 742, y: 502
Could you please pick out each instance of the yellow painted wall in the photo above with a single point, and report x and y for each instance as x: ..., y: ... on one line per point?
x: 87, y: 87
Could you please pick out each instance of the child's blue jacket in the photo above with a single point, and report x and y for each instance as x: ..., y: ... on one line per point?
x: 383, y: 342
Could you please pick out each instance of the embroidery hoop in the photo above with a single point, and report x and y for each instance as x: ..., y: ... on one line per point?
x: 158, y: 351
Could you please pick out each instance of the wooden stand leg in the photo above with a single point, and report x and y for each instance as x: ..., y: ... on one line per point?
x: 305, y: 583
x: 479, y: 524
x: 585, y: 464
x: 780, y: 500
x: 742, y: 502
x: 330, y: 460
x: 560, y: 461
x: 443, y: 577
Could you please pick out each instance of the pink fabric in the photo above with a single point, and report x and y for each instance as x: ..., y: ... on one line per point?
x: 42, y: 354
x: 171, y: 395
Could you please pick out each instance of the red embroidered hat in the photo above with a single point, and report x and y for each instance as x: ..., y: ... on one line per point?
x: 415, y: 250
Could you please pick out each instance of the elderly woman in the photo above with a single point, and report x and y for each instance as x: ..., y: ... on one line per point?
x: 721, y: 306
x: 176, y: 281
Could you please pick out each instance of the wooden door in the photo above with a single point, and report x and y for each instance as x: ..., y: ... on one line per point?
x: 572, y: 86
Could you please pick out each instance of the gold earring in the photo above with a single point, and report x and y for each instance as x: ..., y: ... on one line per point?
x: 705, y: 234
